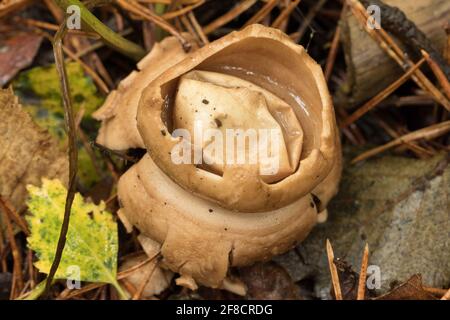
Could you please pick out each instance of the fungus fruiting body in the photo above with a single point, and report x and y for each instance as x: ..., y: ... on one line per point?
x: 205, y: 210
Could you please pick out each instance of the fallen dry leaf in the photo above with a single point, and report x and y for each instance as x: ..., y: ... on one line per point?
x: 410, y: 290
x: 159, y: 278
x: 348, y: 279
x: 269, y: 281
x: 27, y: 152
x: 16, y: 53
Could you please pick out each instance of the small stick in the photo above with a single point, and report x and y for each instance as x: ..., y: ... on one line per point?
x: 180, y: 12
x: 363, y: 274
x: 309, y: 17
x: 126, y: 273
x: 95, y: 77
x: 372, y: 103
x: 99, y: 44
x: 230, y: 15
x: 198, y: 28
x: 352, y: 132
x: 332, y: 53
x: 97, y: 293
x: 54, y: 27
x: 446, y: 296
x: 333, y: 271
x: 88, y: 147
x: 105, y: 151
x: 148, y: 14
x: 18, y: 283
x: 285, y: 14
x: 128, y: 286
x: 262, y: 13
x: 414, y: 147
x: 447, y: 47
x: 31, y: 272
x: 386, y: 42
x: 66, y: 294
x: 4, y: 267
x: 435, y: 291
x: 137, y: 295
x: 14, y: 215
x: 190, y: 29
x: 440, y: 76
x: 427, y: 133
x: 56, y: 12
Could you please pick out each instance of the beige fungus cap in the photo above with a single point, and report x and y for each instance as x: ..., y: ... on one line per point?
x: 207, y: 218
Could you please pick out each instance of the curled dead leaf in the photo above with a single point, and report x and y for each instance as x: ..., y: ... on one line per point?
x: 27, y: 152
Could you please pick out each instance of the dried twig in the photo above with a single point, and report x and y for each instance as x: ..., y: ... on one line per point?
x: 190, y: 29
x: 148, y: 14
x: 4, y: 266
x: 95, y: 77
x: 372, y: 103
x: 180, y: 12
x: 230, y: 15
x: 66, y: 294
x: 31, y: 270
x: 17, y: 256
x: 309, y: 18
x: 427, y: 133
x: 332, y: 53
x: 262, y: 13
x: 285, y: 13
x: 421, y: 152
x: 397, y: 23
x: 435, y: 291
x: 395, y: 52
x: 14, y: 215
x: 54, y: 27
x: 333, y: 271
x: 440, y: 75
x: 137, y: 295
x: 446, y: 296
x: 363, y: 274
x: 98, y: 81
x: 198, y: 28
x: 447, y: 47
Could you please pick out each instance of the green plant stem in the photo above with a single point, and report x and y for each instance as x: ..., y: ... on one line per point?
x: 112, y: 39
x: 122, y: 294
x: 37, y: 292
x: 72, y: 152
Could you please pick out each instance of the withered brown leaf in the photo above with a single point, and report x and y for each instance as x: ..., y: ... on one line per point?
x: 27, y: 152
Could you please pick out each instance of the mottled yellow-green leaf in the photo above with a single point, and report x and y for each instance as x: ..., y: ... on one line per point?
x: 40, y: 93
x: 42, y: 83
x: 92, y: 242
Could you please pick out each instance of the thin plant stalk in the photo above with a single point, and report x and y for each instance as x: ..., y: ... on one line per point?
x: 72, y: 150
x: 112, y: 39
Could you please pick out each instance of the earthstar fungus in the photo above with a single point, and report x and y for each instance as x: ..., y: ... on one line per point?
x: 207, y: 218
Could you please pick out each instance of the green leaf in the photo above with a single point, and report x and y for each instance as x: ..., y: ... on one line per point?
x: 40, y: 93
x: 92, y: 241
x: 40, y: 86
